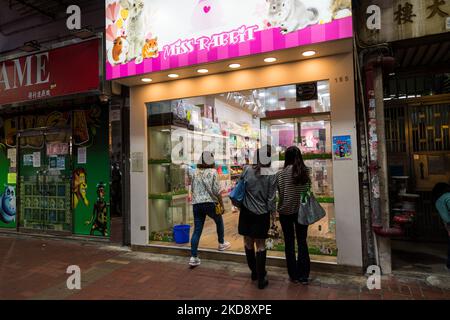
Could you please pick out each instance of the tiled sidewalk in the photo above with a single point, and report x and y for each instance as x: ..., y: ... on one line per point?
x: 32, y: 268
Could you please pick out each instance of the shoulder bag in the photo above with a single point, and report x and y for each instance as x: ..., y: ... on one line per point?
x: 310, y: 211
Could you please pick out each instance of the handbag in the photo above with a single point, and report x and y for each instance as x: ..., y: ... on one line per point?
x: 238, y: 193
x: 309, y: 211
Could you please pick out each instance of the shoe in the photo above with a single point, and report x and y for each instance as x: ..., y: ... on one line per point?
x: 251, y: 262
x: 224, y: 246
x: 261, y: 269
x: 194, y: 261
x: 304, y: 281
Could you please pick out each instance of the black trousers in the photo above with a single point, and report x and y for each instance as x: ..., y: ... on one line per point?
x: 298, y: 268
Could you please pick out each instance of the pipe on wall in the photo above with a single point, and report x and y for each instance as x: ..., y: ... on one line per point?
x: 374, y: 68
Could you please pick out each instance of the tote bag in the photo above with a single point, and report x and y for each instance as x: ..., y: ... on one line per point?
x: 310, y: 211
x: 237, y: 195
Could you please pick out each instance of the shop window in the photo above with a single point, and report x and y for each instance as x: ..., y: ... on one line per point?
x: 233, y: 126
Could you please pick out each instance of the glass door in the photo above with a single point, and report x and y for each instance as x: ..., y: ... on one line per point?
x: 44, y: 181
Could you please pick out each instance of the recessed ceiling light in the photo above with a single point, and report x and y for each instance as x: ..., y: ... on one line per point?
x: 234, y: 65
x: 146, y: 80
x: 173, y: 75
x: 309, y: 53
x: 270, y: 60
x: 202, y: 70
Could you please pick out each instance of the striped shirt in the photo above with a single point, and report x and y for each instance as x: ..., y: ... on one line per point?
x: 289, y: 194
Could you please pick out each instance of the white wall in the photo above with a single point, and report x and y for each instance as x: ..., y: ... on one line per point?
x: 334, y: 68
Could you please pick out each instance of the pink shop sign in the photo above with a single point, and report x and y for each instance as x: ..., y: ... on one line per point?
x: 144, y: 36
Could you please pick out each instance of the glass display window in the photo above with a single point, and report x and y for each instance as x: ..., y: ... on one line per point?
x: 233, y: 126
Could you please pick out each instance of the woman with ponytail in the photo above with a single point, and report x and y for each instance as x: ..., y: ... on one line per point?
x: 257, y: 207
x: 292, y: 182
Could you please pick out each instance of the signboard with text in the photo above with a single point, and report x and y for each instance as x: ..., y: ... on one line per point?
x: 54, y: 73
x: 381, y: 21
x: 144, y: 36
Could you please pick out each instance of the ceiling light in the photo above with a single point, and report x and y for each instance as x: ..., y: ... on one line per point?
x: 30, y: 46
x: 249, y: 102
x: 202, y: 70
x: 234, y: 65
x: 262, y: 94
x: 309, y: 53
x: 283, y: 108
x: 146, y: 80
x: 270, y: 60
x: 173, y: 75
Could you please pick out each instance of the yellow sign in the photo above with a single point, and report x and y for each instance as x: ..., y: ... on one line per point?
x: 12, y: 178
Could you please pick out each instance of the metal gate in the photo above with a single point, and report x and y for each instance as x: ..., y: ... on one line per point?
x: 418, y: 146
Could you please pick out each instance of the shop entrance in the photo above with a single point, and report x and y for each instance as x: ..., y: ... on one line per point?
x: 44, y: 181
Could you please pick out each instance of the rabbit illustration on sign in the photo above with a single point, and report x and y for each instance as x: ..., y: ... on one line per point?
x: 291, y: 15
x: 207, y: 14
x: 341, y: 8
x: 136, y: 28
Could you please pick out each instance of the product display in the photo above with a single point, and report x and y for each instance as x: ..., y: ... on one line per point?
x: 219, y: 125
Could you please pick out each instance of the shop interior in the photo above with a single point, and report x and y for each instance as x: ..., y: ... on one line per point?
x: 233, y: 126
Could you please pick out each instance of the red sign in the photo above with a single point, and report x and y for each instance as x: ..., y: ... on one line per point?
x: 54, y: 73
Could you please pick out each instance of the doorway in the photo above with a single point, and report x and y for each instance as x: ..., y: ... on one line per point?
x: 418, y: 145
x: 44, y: 181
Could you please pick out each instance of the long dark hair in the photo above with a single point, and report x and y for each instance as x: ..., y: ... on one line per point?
x: 206, y: 161
x: 263, y: 158
x: 293, y: 156
x: 439, y: 189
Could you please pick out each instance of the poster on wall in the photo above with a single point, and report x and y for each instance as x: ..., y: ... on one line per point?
x: 342, y: 148
x: 142, y: 36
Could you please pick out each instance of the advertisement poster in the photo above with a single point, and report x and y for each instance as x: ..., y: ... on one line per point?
x: 27, y: 160
x: 37, y: 159
x: 144, y: 36
x: 81, y: 155
x: 7, y: 189
x: 342, y: 148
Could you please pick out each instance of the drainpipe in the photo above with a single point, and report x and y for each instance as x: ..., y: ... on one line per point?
x: 374, y: 69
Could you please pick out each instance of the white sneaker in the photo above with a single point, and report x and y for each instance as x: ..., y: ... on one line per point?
x: 224, y: 246
x: 194, y: 261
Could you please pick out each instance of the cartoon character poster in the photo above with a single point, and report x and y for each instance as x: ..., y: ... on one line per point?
x: 7, y: 189
x: 90, y: 190
x: 342, y: 148
x: 155, y: 35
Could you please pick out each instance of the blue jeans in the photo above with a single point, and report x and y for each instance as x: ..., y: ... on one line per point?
x: 201, y: 210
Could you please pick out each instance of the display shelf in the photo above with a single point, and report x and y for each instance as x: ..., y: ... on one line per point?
x: 169, y: 195
x: 159, y: 161
x: 312, y: 156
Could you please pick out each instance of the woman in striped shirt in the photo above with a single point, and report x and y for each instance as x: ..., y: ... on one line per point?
x: 293, y: 181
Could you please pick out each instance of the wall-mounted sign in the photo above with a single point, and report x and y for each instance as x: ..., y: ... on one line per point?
x: 144, y: 36
x: 392, y: 20
x: 306, y: 91
x: 342, y: 148
x: 58, y: 72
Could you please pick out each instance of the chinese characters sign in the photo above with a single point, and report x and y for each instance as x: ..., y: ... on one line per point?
x: 54, y: 73
x: 144, y: 36
x: 387, y: 21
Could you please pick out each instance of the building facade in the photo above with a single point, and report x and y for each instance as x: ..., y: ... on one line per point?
x: 231, y: 81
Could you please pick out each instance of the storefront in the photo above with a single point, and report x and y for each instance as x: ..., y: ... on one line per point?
x: 405, y: 65
x: 54, y: 142
x: 232, y: 77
